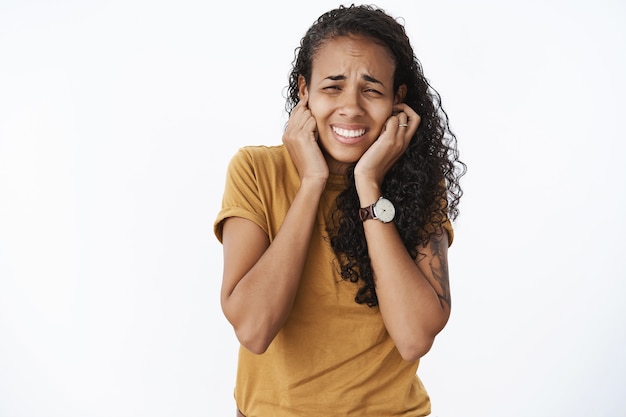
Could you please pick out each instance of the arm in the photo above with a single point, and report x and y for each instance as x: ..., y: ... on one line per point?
x: 260, y: 280
x: 413, y: 296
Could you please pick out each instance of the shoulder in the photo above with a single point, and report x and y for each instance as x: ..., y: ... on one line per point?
x: 262, y: 161
x: 261, y: 154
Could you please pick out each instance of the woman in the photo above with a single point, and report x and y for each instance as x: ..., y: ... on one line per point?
x: 335, y: 243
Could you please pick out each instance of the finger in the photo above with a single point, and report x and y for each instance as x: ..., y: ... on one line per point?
x: 403, y: 120
x: 412, y: 118
x: 415, y: 122
x: 310, y: 125
x: 391, y: 126
x: 397, y: 122
x: 299, y: 116
x: 303, y: 103
x: 404, y: 108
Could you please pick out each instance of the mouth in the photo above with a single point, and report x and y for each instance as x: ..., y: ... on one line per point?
x: 348, y: 135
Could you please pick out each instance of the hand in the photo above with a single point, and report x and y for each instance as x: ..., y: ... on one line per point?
x: 388, y: 148
x: 300, y: 139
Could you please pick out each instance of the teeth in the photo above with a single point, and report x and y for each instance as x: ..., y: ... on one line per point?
x: 349, y: 133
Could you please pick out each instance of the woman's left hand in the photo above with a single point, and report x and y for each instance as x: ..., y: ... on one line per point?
x: 389, y: 147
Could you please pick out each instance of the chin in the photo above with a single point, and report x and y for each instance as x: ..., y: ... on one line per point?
x: 346, y: 157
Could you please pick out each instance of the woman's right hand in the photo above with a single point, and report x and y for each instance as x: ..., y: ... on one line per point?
x: 300, y: 139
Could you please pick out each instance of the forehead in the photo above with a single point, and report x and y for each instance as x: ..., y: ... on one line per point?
x: 350, y: 53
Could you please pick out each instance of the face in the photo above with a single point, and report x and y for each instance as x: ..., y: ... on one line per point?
x: 351, y: 96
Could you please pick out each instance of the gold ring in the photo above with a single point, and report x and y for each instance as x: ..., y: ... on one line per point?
x: 403, y: 125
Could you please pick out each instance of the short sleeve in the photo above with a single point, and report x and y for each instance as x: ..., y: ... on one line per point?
x: 241, y: 194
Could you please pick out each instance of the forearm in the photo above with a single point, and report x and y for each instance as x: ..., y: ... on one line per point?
x: 262, y: 299
x: 410, y: 306
x: 413, y: 295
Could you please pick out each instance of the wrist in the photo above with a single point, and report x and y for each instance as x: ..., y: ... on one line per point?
x: 382, y: 210
x: 368, y: 191
x: 313, y: 184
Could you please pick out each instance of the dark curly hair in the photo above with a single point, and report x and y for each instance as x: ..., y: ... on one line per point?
x: 424, y: 183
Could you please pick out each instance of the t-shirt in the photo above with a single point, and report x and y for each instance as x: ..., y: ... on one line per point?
x: 333, y: 357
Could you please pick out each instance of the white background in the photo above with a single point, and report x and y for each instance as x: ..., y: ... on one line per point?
x: 117, y: 120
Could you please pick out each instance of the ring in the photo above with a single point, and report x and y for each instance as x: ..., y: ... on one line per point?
x: 403, y: 125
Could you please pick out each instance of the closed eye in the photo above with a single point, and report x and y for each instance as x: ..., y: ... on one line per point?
x: 373, y: 93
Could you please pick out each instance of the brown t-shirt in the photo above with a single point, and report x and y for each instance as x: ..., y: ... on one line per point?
x: 333, y: 357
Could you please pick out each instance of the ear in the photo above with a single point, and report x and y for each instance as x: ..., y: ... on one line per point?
x: 400, y: 94
x: 302, y: 87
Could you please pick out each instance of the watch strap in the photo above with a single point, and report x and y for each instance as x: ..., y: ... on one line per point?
x: 366, y: 213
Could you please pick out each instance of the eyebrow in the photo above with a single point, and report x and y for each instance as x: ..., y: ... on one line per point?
x: 343, y: 78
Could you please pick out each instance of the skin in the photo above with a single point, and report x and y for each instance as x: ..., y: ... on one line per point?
x: 348, y: 112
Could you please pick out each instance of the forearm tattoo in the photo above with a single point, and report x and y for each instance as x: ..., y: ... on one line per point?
x: 439, y: 268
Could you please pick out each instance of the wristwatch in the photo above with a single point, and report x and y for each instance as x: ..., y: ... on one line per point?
x: 382, y: 210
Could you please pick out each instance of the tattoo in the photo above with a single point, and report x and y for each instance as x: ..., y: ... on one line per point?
x: 439, y: 268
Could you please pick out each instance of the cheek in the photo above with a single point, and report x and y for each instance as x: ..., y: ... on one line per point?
x: 383, y: 114
x: 317, y: 106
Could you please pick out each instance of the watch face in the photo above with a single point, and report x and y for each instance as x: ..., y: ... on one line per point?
x: 384, y: 210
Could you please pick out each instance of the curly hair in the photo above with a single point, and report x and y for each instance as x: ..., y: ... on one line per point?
x: 424, y: 182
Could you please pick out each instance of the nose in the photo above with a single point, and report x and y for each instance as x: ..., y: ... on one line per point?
x: 351, y: 104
